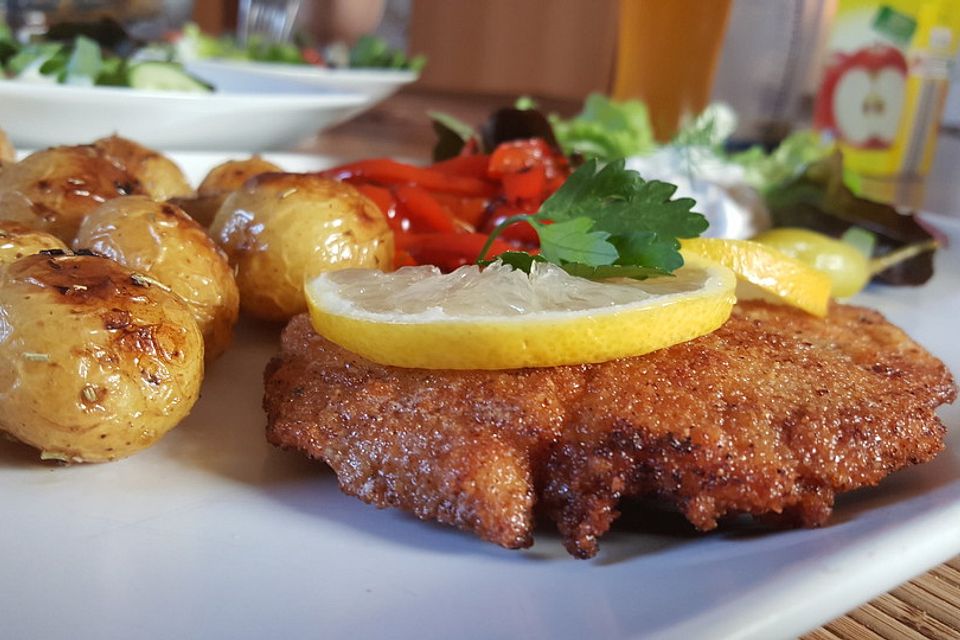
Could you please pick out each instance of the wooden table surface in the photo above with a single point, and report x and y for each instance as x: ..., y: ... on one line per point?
x: 925, y: 607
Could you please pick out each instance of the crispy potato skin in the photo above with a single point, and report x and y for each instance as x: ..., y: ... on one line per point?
x: 95, y: 364
x: 282, y: 228
x: 772, y: 415
x: 203, y: 209
x: 222, y: 180
x: 17, y: 241
x: 160, y: 176
x: 161, y: 240
x: 7, y: 152
x: 232, y: 174
x: 52, y: 190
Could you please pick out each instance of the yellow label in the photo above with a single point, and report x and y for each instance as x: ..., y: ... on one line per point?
x: 885, y: 81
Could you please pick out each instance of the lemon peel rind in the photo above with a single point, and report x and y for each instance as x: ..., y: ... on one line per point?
x: 773, y: 275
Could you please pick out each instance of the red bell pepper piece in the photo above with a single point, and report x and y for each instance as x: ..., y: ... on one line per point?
x: 425, y: 213
x: 312, y: 55
x: 448, y: 250
x: 518, y: 155
x: 522, y: 232
x: 528, y: 184
x: 403, y: 259
x: 391, y: 172
x: 387, y: 204
x: 470, y: 211
x: 473, y: 166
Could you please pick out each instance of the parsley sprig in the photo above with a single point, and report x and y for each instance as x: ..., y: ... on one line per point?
x: 607, y: 222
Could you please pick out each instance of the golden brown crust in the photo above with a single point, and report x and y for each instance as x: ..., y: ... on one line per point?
x: 17, y: 241
x: 7, y: 153
x: 52, y: 190
x: 160, y: 176
x: 774, y: 413
x: 232, y: 174
x: 222, y: 180
x: 282, y: 229
x: 161, y: 240
x: 96, y: 361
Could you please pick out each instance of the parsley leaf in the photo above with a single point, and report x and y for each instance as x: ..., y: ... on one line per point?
x: 573, y: 241
x: 609, y: 222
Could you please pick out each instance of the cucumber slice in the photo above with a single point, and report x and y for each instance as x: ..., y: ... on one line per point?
x: 164, y: 76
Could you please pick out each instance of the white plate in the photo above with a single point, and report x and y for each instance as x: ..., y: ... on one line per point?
x: 264, y: 117
x: 215, y: 534
x: 230, y: 74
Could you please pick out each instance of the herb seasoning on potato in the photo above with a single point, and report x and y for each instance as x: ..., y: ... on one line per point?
x: 96, y: 363
x: 283, y: 228
x: 52, y: 190
x: 160, y: 240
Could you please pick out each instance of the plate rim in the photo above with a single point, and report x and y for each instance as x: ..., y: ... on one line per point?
x: 96, y: 93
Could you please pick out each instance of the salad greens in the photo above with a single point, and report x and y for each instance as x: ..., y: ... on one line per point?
x: 802, y: 183
x: 8, y: 45
x: 82, y: 60
x: 103, y: 54
x: 765, y: 171
x: 369, y: 51
x: 509, y: 123
x: 606, y: 129
x: 819, y: 199
x: 226, y: 46
x: 606, y: 222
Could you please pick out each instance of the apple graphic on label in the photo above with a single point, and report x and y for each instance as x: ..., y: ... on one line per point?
x: 861, y: 96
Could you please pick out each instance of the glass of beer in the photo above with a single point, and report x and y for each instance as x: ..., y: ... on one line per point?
x: 667, y: 53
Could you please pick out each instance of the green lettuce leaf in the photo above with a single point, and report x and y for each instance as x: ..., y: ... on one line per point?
x: 606, y: 129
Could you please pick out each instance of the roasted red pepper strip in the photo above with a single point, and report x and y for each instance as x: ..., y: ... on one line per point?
x: 473, y: 166
x: 395, y: 213
x: 403, y: 259
x: 448, y: 250
x: 311, y: 55
x: 425, y: 213
x: 386, y: 171
x: 519, y: 155
x: 471, y: 211
x: 522, y: 232
x: 528, y: 184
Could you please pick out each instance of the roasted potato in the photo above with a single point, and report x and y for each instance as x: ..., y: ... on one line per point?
x: 282, y: 228
x: 17, y: 241
x: 230, y: 176
x: 159, y: 239
x: 52, y: 190
x: 160, y: 176
x: 96, y: 361
x: 7, y: 152
x: 222, y: 180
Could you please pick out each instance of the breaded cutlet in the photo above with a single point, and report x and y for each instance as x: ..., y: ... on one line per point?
x: 773, y: 414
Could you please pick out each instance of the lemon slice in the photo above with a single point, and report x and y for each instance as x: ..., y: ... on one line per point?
x: 499, y: 318
x: 766, y: 273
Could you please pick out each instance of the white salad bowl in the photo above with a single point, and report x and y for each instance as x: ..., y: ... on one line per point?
x: 42, y: 115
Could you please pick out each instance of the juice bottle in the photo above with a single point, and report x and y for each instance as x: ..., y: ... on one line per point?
x: 883, y: 91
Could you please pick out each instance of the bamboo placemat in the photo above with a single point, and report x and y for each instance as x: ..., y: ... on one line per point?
x: 925, y: 607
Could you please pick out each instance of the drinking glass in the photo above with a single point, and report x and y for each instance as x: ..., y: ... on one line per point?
x: 272, y: 20
x: 667, y: 53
